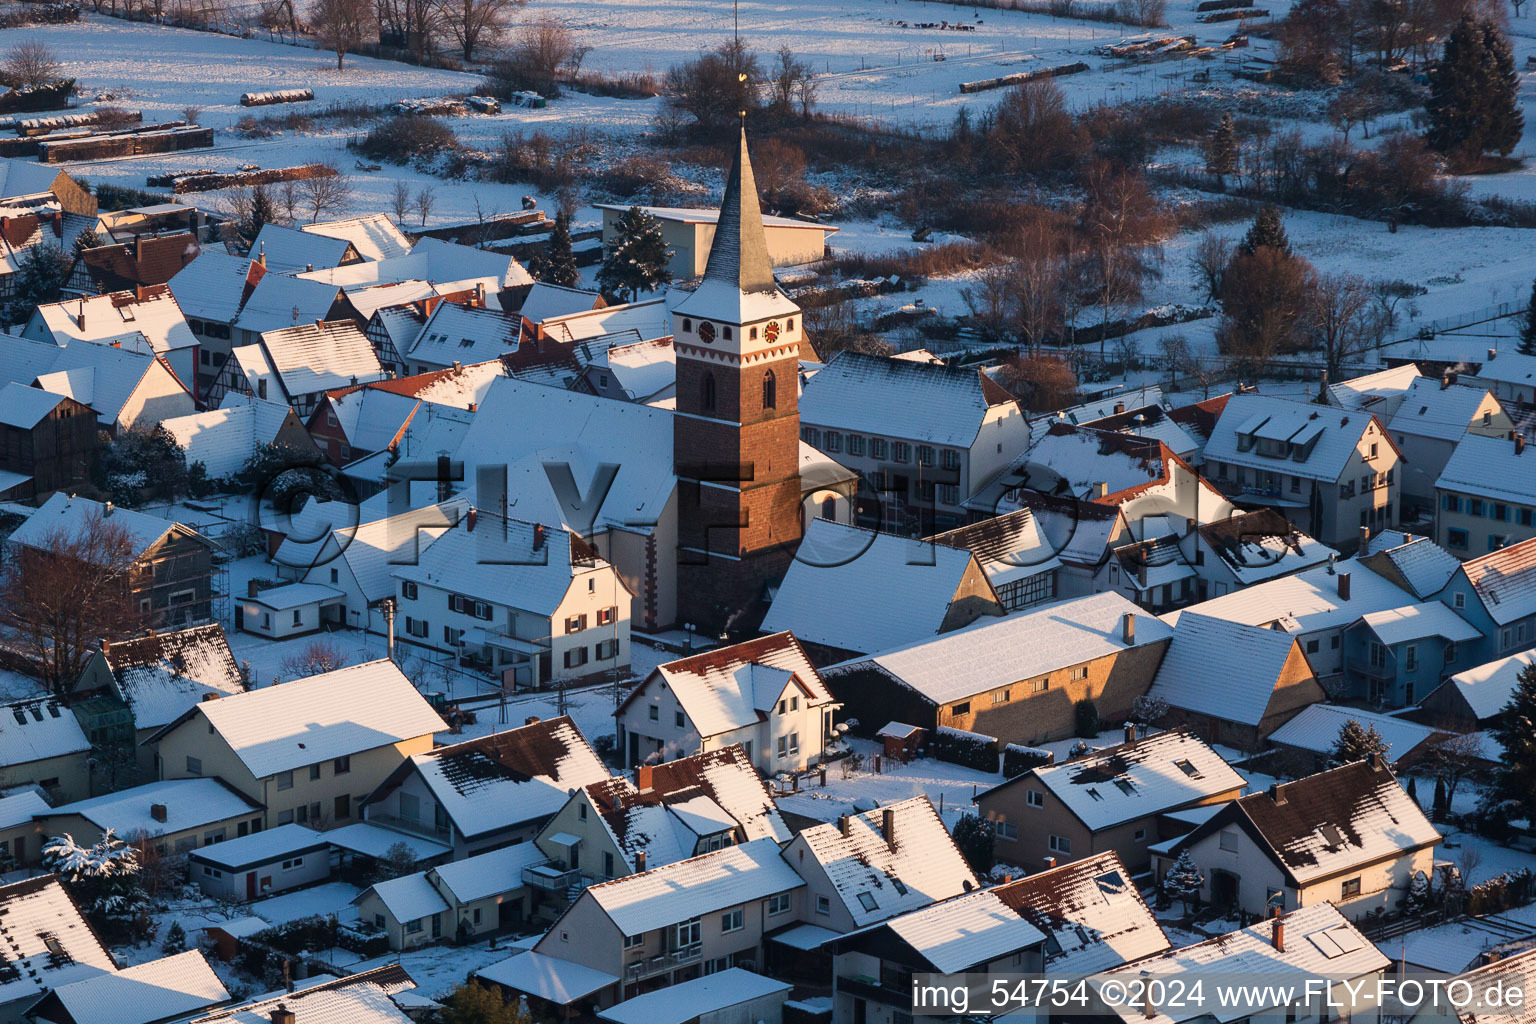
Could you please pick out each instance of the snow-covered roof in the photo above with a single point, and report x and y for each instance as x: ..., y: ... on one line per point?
x: 996, y: 652
x: 525, y: 565
x: 1508, y: 367
x: 31, y: 730
x: 1487, y: 687
x: 261, y: 847
x: 20, y: 808
x: 506, y: 778
x: 488, y: 874
x: 1491, y: 467
x: 279, y: 302
x: 152, y: 312
x: 1422, y: 566
x: 22, y: 178
x: 1432, y: 409
x: 874, y: 395
x: 650, y: 318
x: 23, y: 407
x: 371, y: 419
x: 1418, y: 621
x: 688, y: 1001
x: 296, y: 595
x: 318, y: 357
x: 73, y: 515
x: 459, y: 388
x: 187, y: 804
x: 465, y: 334
x: 694, y: 887
x: 643, y: 369
x: 545, y: 301
x: 370, y: 840
x: 369, y: 299
x: 559, y: 981
x: 1009, y: 547
x: 1196, y: 675
x: 1330, y: 822
x: 1152, y: 422
x: 965, y: 932
x: 905, y: 588
x: 408, y: 897
x: 212, y: 286
x: 39, y: 913
x: 1504, y: 580
x: 1135, y: 780
x: 1092, y: 913
x: 1318, y: 441
x: 1263, y: 545
x: 1306, y: 601
x: 224, y: 439
x: 363, y: 998
x: 291, y: 249
x: 140, y: 994
x: 375, y: 236
x: 1382, y: 392
x: 1319, y: 941
x: 879, y: 875
x: 371, y: 548
x: 523, y: 426
x: 732, y: 687
x: 100, y: 376
x: 451, y: 262
x: 1317, y: 729
x: 306, y: 721
x: 1077, y: 459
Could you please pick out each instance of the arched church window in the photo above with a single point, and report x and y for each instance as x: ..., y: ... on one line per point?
x: 708, y: 388
x: 770, y: 391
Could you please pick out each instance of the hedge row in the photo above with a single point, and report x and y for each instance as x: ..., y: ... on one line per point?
x: 970, y: 749
x: 1018, y: 759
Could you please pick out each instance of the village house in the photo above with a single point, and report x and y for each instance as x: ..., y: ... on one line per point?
x: 487, y: 792
x: 908, y: 588
x: 921, y: 436
x: 1332, y: 471
x: 1254, y: 547
x: 157, y: 991
x: 273, y: 302
x: 1496, y: 593
x: 672, y: 811
x: 125, y: 388
x: 690, y: 233
x: 26, y: 184
x: 1108, y: 801
x: 1394, y: 656
x: 459, y: 335
x: 20, y: 845
x: 158, y: 678
x: 298, y: 365
x: 1416, y: 564
x: 1429, y: 424
x: 1508, y: 375
x: 260, y: 862
x: 527, y: 603
x: 1486, y: 495
x: 309, y: 751
x: 42, y: 744
x: 1233, y: 709
x: 1381, y: 393
x: 170, y: 578
x: 869, y: 867
x: 1083, y: 535
x: 374, y: 996
x: 1288, y: 952
x: 226, y: 439
x: 1349, y: 837
x: 1308, y: 741
x: 764, y: 695
x: 50, y: 943
x: 169, y: 818
x: 1019, y: 678
x: 1474, y: 698
x: 657, y: 928
x: 1019, y: 560
x: 210, y: 291
x: 461, y: 901
x: 641, y: 371
x: 144, y: 320
x: 146, y: 261
x: 1494, y: 970
x: 289, y: 250
x: 372, y: 237
x: 47, y: 442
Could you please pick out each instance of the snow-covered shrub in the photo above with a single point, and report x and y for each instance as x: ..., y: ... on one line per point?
x: 970, y: 749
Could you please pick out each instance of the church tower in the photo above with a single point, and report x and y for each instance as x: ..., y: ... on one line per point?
x: 736, y: 433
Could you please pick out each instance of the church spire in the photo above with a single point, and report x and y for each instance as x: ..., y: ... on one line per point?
x: 739, y: 253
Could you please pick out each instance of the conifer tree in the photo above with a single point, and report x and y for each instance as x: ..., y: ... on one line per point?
x: 637, y: 257
x: 557, y: 263
x: 1184, y: 881
x: 1221, y: 150
x: 1473, y: 104
x: 1357, y: 743
x: 1528, y: 327
x: 260, y: 213
x: 1267, y: 232
x: 87, y: 239
x: 1515, y: 778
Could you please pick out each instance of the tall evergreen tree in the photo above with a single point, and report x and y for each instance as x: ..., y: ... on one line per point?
x: 1267, y: 232
x: 1473, y: 104
x: 262, y: 211
x: 1221, y: 149
x: 557, y: 263
x: 637, y: 257
x: 1528, y: 327
x: 1357, y: 743
x: 87, y: 239
x: 38, y: 281
x: 1184, y: 881
x: 1515, y: 778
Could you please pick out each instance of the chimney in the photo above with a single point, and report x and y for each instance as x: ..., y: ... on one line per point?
x: 473, y: 406
x: 1365, y: 538
x: 1128, y: 628
x: 1491, y: 956
x: 157, y: 811
x: 842, y: 823
x: 1278, y: 937
x: 262, y: 257
x: 138, y: 248
x: 309, y: 268
x: 1130, y: 732
x: 252, y: 588
x: 1378, y: 763
x: 1277, y: 793
x: 1519, y: 444
x: 458, y: 365
x: 531, y: 720
x: 1343, y: 586
x: 639, y: 861
x: 282, y: 1015
x: 888, y: 827
x: 644, y: 777
x: 1493, y: 354
x: 469, y: 520
x: 58, y: 224
x: 106, y: 646
x: 538, y: 536
x: 1099, y: 489
x: 1447, y: 379
x: 1119, y: 407
x: 1049, y: 863
x: 81, y: 317
x: 106, y: 509
x: 210, y: 695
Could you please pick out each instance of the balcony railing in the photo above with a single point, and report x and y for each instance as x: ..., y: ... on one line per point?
x: 419, y: 828
x: 651, y: 966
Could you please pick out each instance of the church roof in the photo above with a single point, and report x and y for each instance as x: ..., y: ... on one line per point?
x: 739, y: 252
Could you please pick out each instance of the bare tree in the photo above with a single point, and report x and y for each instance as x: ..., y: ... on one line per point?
x: 316, y: 657
x: 1337, y: 318
x: 543, y: 52
x: 426, y: 198
x: 792, y: 83
x: 1471, y: 857
x: 1123, y: 226
x: 1456, y: 759
x: 474, y: 23
x: 400, y: 202
x: 30, y: 64
x: 60, y: 598
x: 191, y: 114
x: 1040, y: 274
x: 288, y: 198
x: 1174, y: 354
x: 1209, y: 261
x: 341, y: 25
x: 410, y: 24
x: 991, y: 302
x: 329, y: 194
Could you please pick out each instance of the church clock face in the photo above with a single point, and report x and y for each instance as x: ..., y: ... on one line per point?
x: 707, y: 332
x: 771, y: 332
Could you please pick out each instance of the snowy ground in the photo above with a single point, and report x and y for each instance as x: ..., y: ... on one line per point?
x: 948, y: 785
